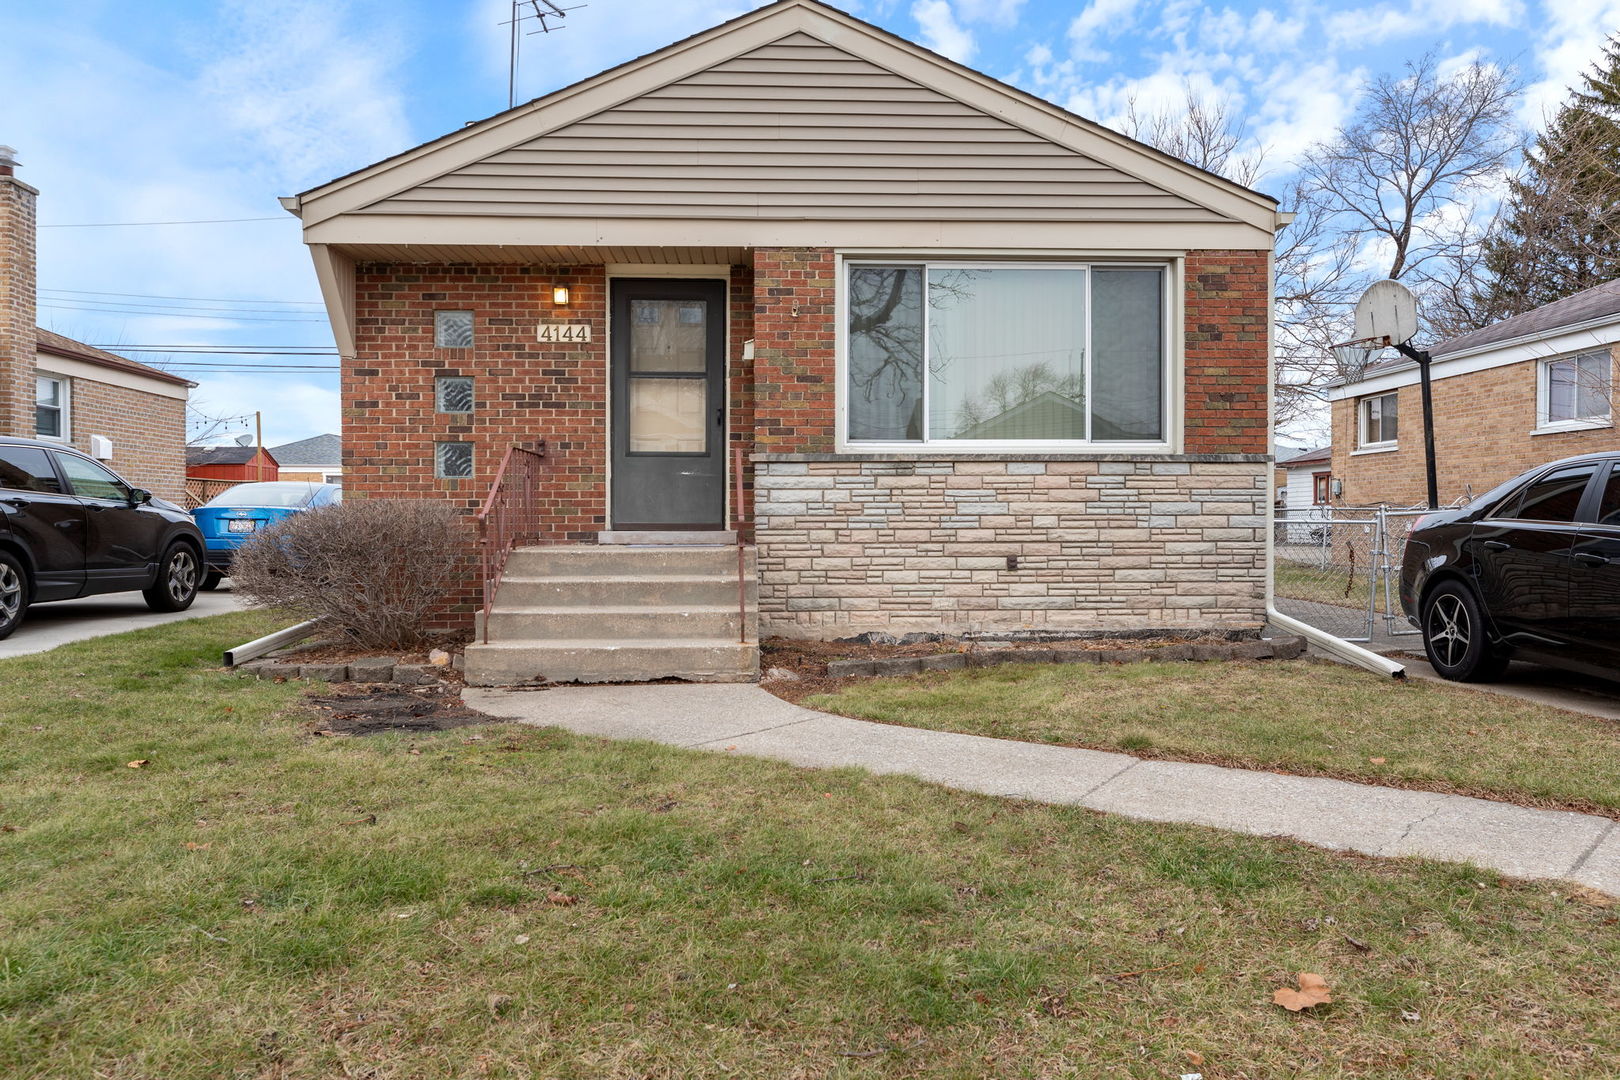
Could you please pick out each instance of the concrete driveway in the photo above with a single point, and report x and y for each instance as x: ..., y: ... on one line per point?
x: 48, y: 625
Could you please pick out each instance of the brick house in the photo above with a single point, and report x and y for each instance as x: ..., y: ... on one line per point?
x: 51, y: 387
x: 318, y: 459
x: 1520, y: 392
x: 990, y: 367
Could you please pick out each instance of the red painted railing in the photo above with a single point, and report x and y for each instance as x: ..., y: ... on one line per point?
x: 510, y: 515
x: 737, y: 515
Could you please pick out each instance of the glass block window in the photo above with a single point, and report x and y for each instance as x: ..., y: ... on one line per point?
x: 452, y: 460
x: 453, y: 393
x: 453, y: 329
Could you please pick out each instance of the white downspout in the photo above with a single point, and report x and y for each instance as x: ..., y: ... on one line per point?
x: 1344, y: 650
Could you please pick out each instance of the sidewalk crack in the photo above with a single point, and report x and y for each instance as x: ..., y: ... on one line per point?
x: 1587, y: 854
x: 1395, y: 843
x: 1110, y: 779
x: 745, y: 734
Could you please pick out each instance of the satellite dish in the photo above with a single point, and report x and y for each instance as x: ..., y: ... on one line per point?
x: 1387, y: 310
x: 244, y: 440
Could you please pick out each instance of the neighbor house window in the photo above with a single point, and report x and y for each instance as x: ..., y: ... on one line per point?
x: 1321, y: 484
x: 50, y: 407
x: 453, y: 329
x: 1576, y: 389
x: 1378, y: 420
x: 452, y: 460
x: 453, y: 394
x: 941, y: 353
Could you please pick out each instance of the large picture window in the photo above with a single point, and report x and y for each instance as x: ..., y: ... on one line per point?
x: 969, y: 355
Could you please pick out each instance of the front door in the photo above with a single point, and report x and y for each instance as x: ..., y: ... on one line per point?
x: 669, y: 404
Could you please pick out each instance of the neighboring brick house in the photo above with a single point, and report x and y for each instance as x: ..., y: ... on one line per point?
x: 318, y: 459
x: 1518, y: 393
x: 51, y: 387
x: 991, y: 366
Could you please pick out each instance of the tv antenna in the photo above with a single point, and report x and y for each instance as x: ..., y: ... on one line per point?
x: 547, y: 16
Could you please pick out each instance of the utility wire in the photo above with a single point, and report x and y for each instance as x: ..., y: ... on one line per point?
x: 202, y: 350
x: 150, y: 305
x: 179, y: 314
x: 203, y: 299
x: 128, y: 224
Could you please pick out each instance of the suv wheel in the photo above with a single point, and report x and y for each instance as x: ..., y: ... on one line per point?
x: 13, y: 594
x: 176, y: 584
x: 1454, y: 636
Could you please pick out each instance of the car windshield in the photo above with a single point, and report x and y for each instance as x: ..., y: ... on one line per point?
x: 278, y: 494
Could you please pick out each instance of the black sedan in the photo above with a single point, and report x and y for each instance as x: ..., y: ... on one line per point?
x: 71, y: 527
x: 1528, y: 571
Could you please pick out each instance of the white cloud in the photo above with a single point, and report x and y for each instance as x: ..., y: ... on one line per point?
x: 1100, y: 20
x: 941, y: 32
x: 1002, y: 13
x: 1372, y: 26
x: 1571, y: 40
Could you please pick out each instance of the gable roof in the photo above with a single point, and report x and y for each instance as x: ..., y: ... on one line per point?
x: 319, y: 450
x: 55, y: 344
x: 1322, y: 455
x: 1595, y: 303
x: 793, y: 112
x: 224, y: 455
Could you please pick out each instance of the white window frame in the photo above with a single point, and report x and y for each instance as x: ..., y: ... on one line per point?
x: 1172, y: 383
x: 66, y: 408
x: 1361, y: 424
x: 1544, y: 423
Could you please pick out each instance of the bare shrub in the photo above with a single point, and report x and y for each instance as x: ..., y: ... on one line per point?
x: 376, y: 569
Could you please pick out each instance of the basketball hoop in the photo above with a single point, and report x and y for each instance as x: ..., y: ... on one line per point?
x: 1354, y: 356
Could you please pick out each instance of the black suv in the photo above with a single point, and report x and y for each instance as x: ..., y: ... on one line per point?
x: 71, y: 527
x: 1530, y: 570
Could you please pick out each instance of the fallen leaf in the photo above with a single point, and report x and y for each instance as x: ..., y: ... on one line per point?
x: 1313, y: 990
x: 138, y: 763
x: 1411, y: 1016
x: 1377, y: 760
x: 192, y: 845
x: 1581, y: 894
x: 1362, y: 945
x: 521, y: 939
x: 498, y: 1004
x: 1194, y: 1057
x: 561, y: 899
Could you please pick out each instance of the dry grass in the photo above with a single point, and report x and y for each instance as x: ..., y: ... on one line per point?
x: 1309, y: 717
x: 515, y: 902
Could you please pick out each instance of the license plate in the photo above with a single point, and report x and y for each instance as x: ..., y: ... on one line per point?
x: 241, y: 525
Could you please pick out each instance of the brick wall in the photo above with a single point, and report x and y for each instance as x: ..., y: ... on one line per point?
x: 148, y: 433
x: 1227, y: 325
x: 795, y: 321
x: 862, y: 543
x: 17, y: 312
x: 1482, y: 428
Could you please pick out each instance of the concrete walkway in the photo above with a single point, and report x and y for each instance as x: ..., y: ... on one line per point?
x: 745, y: 719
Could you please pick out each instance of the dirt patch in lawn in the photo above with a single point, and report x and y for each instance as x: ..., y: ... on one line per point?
x: 417, y: 710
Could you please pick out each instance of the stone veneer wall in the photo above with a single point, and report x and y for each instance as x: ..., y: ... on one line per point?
x: 878, y: 542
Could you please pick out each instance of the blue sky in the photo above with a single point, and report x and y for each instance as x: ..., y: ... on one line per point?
x: 187, y: 110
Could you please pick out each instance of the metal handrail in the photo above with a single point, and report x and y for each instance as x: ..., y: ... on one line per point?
x: 510, y: 515
x: 737, y: 527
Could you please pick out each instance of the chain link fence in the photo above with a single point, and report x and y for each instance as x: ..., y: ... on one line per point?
x: 1339, y: 568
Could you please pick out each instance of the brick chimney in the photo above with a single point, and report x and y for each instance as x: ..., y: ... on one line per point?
x: 19, y: 337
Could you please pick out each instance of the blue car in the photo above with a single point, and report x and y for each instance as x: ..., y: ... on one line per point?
x: 238, y: 514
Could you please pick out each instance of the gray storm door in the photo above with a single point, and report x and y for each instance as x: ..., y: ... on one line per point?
x: 669, y: 404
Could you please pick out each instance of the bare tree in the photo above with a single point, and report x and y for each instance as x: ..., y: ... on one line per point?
x: 1421, y: 144
x: 1203, y: 132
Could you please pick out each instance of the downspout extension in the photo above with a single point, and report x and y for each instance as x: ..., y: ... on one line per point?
x: 1344, y: 650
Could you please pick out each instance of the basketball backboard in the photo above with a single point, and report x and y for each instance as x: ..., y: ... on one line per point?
x: 1387, y: 310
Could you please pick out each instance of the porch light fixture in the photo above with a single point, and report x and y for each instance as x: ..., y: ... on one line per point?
x: 559, y: 295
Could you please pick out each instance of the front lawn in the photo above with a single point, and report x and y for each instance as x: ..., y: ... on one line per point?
x: 258, y: 901
x: 1309, y: 717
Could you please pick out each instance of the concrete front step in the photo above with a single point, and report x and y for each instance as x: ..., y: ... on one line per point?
x: 658, y: 590
x: 598, y: 661
x: 669, y: 537
x: 679, y: 623
x: 597, y: 561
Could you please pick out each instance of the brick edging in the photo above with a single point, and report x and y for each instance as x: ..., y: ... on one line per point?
x: 1283, y: 648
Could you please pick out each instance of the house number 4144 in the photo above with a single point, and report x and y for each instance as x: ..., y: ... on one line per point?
x: 569, y: 333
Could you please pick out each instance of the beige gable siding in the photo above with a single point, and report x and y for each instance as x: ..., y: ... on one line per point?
x: 795, y: 130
